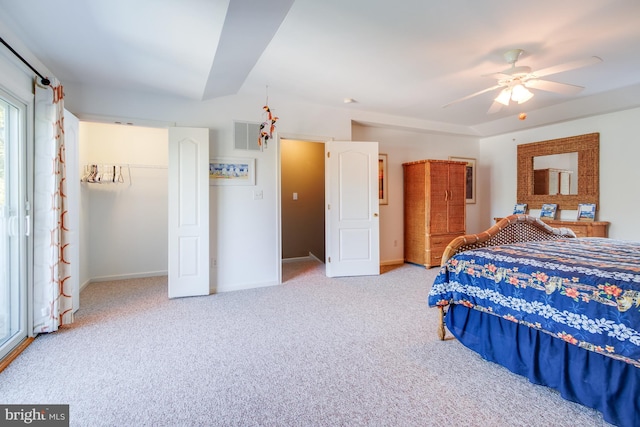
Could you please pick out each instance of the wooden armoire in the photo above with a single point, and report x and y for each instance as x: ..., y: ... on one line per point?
x: 434, y: 208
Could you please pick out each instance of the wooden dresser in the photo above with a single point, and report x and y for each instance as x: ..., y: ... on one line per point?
x: 434, y: 208
x: 581, y: 228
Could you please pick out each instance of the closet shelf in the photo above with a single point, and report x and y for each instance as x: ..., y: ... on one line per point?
x: 112, y: 173
x: 102, y: 174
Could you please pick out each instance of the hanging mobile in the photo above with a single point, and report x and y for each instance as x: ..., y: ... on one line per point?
x: 268, y: 126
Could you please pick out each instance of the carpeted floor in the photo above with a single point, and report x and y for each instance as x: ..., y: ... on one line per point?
x: 355, y: 351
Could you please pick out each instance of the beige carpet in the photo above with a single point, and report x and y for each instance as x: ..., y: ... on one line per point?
x: 355, y: 351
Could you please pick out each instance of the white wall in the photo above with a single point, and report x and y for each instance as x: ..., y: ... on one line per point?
x: 244, y: 238
x: 124, y: 224
x: 619, y: 171
x: 108, y: 223
x: 244, y: 230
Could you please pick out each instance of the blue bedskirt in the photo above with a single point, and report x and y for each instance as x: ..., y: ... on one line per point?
x: 610, y: 386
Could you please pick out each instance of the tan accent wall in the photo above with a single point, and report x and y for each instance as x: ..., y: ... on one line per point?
x: 302, y: 167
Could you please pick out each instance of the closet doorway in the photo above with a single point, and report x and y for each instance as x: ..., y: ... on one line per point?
x: 302, y: 204
x: 123, y: 217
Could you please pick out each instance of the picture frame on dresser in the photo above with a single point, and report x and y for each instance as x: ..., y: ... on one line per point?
x: 548, y: 211
x: 470, y: 177
x: 520, y: 208
x: 586, y: 212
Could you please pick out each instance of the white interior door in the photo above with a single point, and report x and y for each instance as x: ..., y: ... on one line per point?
x: 188, y: 212
x: 352, y: 216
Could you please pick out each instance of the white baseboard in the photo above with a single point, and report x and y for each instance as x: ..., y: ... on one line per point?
x: 315, y: 257
x: 303, y: 258
x: 84, y: 285
x: 126, y: 276
x: 295, y: 259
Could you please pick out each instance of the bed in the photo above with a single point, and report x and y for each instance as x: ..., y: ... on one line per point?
x: 560, y: 310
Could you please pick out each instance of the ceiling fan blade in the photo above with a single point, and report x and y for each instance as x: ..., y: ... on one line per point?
x: 495, y: 107
x: 472, y: 95
x: 549, y: 86
x: 499, y: 75
x: 567, y: 66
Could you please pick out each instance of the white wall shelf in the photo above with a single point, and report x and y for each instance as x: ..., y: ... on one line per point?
x: 112, y: 173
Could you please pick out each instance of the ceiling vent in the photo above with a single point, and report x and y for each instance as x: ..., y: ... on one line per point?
x: 246, y: 136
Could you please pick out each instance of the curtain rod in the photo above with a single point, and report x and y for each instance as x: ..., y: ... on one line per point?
x: 45, y: 81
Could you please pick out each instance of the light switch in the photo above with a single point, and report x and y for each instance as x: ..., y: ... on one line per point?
x: 257, y: 195
x: 295, y: 196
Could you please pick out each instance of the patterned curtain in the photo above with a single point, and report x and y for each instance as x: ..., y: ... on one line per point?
x: 53, y: 303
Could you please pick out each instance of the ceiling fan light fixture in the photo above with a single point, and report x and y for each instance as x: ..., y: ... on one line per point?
x: 504, y: 96
x: 520, y: 94
x: 514, y: 82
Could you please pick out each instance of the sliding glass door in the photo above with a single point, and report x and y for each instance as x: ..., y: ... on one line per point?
x: 13, y: 224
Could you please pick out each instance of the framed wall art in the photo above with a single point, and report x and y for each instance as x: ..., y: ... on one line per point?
x: 471, y: 177
x: 383, y: 184
x: 232, y: 171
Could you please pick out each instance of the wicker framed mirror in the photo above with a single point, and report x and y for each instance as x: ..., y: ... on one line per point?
x: 588, y: 173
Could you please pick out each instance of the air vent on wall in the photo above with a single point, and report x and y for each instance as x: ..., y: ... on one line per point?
x: 246, y: 136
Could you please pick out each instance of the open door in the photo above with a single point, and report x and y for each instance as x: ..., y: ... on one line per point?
x: 352, y: 211
x: 188, y: 212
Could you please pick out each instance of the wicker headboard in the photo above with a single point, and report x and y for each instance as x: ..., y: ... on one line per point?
x: 512, y: 229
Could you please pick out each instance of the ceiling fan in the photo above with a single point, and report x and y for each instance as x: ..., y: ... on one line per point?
x: 516, y: 81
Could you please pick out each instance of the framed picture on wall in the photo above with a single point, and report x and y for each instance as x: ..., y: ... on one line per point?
x: 383, y: 184
x: 471, y: 177
x: 232, y: 171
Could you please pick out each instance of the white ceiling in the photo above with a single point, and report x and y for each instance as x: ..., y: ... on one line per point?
x: 403, y: 58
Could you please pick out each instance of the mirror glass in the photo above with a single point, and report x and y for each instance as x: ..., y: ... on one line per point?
x: 555, y: 174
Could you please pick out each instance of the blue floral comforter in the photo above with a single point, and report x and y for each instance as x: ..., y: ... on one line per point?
x: 585, y: 291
